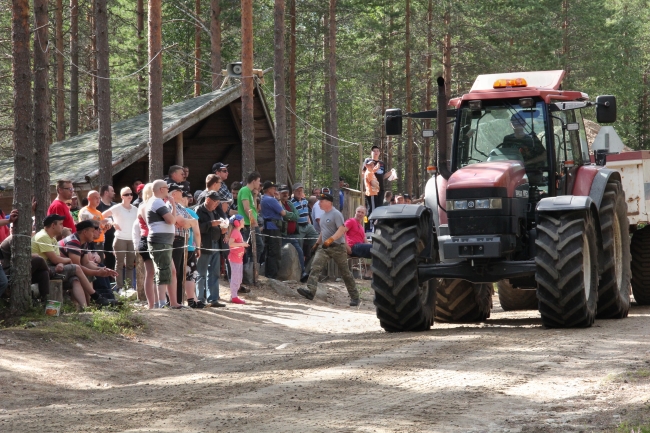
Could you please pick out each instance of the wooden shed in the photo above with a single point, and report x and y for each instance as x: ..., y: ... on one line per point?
x: 198, y: 132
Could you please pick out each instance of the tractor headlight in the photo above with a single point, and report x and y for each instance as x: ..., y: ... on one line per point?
x: 459, y: 204
x: 483, y: 203
x: 495, y: 203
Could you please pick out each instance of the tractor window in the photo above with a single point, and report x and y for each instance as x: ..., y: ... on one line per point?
x: 502, y: 132
x: 584, y: 146
x: 567, y: 143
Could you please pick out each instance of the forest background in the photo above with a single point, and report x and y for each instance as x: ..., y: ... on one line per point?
x: 387, y: 54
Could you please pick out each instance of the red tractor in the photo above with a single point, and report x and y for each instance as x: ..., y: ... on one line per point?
x: 515, y: 201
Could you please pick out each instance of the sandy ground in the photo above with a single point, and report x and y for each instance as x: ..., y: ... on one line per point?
x: 282, y: 364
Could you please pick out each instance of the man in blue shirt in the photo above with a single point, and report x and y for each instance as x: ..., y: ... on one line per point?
x: 272, y: 213
x: 307, y: 234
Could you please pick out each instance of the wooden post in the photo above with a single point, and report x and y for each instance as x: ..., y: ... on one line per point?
x: 155, y: 91
x: 139, y: 278
x: 248, y: 85
x: 179, y: 149
x: 256, y: 265
x: 185, y: 252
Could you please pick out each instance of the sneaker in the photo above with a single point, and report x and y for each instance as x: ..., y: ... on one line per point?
x: 355, y: 302
x: 306, y: 293
x: 243, y: 289
x: 214, y: 304
x: 103, y: 302
x: 195, y: 304
x: 237, y: 301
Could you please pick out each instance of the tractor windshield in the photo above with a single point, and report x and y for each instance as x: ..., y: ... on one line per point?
x: 502, y: 131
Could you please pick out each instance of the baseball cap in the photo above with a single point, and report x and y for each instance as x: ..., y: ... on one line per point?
x: 218, y: 166
x: 175, y: 187
x: 48, y: 220
x: 86, y: 224
x: 324, y: 196
x: 236, y: 217
x: 297, y: 185
x: 187, y: 194
x: 284, y: 188
x: 139, y: 188
x: 268, y: 184
x: 326, y: 190
x: 406, y: 196
x: 212, y: 195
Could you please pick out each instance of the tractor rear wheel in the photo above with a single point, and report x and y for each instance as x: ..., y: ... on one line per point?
x: 640, y: 247
x: 512, y: 299
x: 459, y: 301
x: 402, y: 303
x: 614, y: 287
x: 567, y: 269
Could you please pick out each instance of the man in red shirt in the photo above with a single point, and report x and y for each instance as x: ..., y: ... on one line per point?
x: 64, y: 191
x: 355, y: 237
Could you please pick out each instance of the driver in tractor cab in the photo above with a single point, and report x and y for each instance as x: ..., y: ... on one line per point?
x: 530, y: 146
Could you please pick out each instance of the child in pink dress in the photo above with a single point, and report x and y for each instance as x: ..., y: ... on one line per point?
x: 236, y: 257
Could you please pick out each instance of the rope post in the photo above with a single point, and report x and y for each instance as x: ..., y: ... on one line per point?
x: 256, y: 265
x: 185, y: 251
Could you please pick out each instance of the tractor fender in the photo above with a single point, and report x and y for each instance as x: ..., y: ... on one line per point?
x: 600, y: 182
x: 434, y: 196
x: 563, y: 203
x: 398, y: 211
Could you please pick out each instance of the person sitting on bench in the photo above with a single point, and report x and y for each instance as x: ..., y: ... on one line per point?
x: 355, y: 237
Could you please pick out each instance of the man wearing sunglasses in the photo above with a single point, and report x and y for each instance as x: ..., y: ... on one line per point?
x: 221, y: 170
x: 64, y: 193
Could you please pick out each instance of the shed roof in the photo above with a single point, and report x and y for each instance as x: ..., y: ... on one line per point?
x: 77, y: 157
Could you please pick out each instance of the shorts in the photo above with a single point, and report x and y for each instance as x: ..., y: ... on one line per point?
x: 143, y: 249
x: 68, y: 275
x: 161, y: 254
x: 191, y: 274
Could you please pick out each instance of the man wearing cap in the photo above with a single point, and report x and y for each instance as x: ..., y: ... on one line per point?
x: 181, y: 230
x: 221, y: 170
x: 213, y: 224
x: 161, y: 221
x: 373, y: 163
x: 247, y: 207
x: 307, y: 234
x: 530, y: 146
x: 272, y: 213
x: 333, y: 231
x: 45, y: 245
x: 76, y: 247
x: 138, y: 191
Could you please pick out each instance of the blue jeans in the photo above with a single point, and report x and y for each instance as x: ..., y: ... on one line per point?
x: 4, y: 283
x: 301, y: 255
x: 362, y: 250
x: 208, y: 267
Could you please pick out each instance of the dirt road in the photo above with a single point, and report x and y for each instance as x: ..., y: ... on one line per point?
x: 283, y: 364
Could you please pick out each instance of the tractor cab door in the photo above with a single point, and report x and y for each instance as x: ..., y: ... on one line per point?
x: 569, y: 143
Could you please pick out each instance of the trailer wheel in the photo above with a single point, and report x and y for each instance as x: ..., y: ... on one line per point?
x: 567, y: 269
x: 512, y: 299
x: 459, y: 301
x: 402, y: 303
x: 640, y: 247
x: 614, y: 287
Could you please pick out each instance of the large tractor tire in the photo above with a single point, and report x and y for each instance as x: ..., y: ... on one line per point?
x: 512, y: 299
x: 640, y: 247
x: 459, y: 301
x: 402, y: 303
x: 567, y: 269
x: 614, y: 287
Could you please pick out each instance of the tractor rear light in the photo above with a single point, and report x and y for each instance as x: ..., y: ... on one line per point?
x: 569, y: 163
x: 475, y: 105
x: 502, y: 83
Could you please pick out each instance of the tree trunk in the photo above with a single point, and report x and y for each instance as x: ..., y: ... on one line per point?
x: 197, y: 50
x: 326, y: 162
x: 104, y: 95
x: 565, y: 41
x: 292, y: 92
x: 93, y: 65
x: 23, y: 137
x: 334, y: 118
x: 74, y: 69
x: 60, y: 94
x: 155, y: 91
x: 408, y: 160
x: 446, y: 55
x: 248, y: 85
x: 142, y: 90
x: 427, y: 123
x: 280, y: 96
x: 215, y: 44
x: 42, y: 115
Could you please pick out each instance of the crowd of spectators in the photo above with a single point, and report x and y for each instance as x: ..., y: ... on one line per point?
x: 188, y: 243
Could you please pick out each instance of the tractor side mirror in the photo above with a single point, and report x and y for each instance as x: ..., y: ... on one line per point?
x: 606, y: 109
x: 393, y: 121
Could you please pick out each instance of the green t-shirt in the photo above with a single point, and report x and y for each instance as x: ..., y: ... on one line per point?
x: 43, y: 243
x: 246, y: 194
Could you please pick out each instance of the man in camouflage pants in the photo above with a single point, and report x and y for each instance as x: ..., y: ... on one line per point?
x: 332, y: 229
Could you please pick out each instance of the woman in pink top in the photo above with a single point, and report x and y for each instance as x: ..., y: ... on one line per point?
x: 236, y: 257
x: 355, y: 237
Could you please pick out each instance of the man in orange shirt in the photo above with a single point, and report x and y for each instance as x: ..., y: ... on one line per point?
x: 91, y: 212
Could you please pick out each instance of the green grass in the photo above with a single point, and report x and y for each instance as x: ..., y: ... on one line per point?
x: 627, y: 427
x: 629, y: 376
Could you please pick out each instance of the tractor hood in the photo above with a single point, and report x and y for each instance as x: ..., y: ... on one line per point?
x: 495, y: 179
